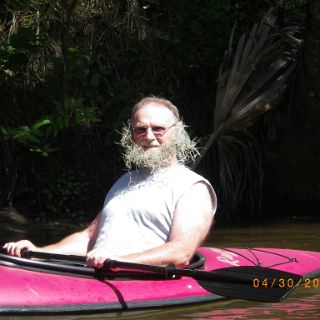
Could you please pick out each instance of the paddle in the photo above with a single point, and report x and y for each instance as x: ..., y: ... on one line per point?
x: 246, y: 282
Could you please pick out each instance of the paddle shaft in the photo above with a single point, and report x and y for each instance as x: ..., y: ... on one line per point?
x: 170, y: 271
x: 244, y: 274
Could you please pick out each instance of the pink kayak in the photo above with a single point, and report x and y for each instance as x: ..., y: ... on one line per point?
x: 64, y: 284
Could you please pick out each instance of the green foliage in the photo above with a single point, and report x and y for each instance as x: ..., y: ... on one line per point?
x: 71, y: 70
x: 31, y: 136
x: 62, y: 194
x: 16, y: 53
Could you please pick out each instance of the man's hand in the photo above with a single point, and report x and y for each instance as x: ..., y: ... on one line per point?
x: 15, y: 248
x: 97, y: 257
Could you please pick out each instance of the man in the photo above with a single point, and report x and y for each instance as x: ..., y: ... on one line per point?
x: 158, y: 212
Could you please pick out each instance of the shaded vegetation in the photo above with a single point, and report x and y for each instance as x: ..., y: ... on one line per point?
x: 255, y: 77
x: 70, y: 71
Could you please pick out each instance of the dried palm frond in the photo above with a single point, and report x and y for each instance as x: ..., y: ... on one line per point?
x: 252, y: 80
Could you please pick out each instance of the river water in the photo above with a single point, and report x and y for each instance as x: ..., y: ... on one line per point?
x: 303, y: 303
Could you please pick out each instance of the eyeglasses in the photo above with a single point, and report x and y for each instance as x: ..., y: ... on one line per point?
x: 157, y: 131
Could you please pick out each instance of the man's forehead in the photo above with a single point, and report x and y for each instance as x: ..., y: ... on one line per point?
x: 153, y: 112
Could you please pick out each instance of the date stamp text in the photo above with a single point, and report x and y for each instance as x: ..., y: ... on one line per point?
x: 306, y: 283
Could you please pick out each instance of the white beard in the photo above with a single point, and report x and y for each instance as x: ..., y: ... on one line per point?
x: 153, y: 160
x: 180, y: 149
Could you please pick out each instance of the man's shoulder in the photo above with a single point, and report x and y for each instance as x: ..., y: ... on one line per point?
x: 188, y: 173
x: 198, y: 188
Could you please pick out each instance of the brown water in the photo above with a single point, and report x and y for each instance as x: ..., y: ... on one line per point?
x: 301, y: 304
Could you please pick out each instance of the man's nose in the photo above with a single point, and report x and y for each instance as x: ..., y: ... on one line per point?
x: 149, y: 134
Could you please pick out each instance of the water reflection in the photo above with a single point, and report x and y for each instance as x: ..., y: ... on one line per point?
x: 301, y: 308
x: 301, y: 304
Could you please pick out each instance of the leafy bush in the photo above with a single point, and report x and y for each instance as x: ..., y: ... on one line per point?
x: 71, y: 70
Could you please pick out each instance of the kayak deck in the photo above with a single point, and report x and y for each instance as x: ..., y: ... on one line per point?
x: 27, y: 288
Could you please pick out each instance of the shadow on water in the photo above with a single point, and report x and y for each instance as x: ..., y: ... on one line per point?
x: 303, y: 234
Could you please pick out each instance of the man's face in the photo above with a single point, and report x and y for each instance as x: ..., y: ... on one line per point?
x: 153, y: 126
x: 155, y: 139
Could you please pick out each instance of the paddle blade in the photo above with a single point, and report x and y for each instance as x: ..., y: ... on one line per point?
x: 251, y: 283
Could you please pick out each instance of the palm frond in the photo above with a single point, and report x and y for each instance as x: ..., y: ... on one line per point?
x: 252, y: 80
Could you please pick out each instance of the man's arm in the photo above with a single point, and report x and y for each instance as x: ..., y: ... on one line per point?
x: 77, y: 243
x: 192, y: 221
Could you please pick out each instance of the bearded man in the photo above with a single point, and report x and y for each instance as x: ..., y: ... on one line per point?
x: 159, y: 211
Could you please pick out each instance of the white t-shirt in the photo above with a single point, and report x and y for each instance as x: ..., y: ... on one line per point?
x: 138, y: 210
